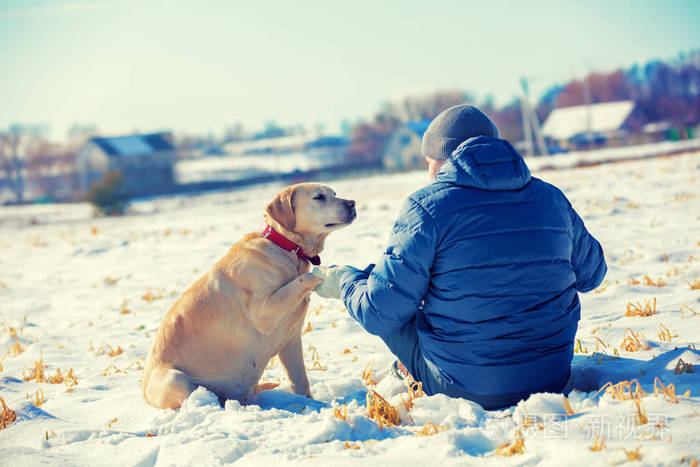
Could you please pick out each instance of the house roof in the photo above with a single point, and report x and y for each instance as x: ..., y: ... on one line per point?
x: 565, y: 122
x: 134, y: 145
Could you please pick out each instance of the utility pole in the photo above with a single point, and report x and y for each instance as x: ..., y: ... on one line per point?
x: 587, y: 103
x: 530, y: 123
x: 527, y: 131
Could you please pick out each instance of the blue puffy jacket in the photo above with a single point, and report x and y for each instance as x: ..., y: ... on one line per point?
x: 488, y: 260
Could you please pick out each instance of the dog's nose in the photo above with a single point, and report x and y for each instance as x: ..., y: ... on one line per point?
x: 350, y: 203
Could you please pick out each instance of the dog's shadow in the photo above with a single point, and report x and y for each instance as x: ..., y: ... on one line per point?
x: 282, y: 400
x: 588, y: 373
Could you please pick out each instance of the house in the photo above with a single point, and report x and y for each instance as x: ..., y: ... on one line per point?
x: 608, y: 123
x: 402, y: 151
x: 146, y: 162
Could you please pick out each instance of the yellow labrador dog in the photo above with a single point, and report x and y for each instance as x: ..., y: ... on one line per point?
x: 249, y: 307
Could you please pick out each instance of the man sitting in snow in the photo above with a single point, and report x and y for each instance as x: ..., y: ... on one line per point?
x: 476, y: 293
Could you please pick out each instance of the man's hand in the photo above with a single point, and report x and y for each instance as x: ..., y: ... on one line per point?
x: 331, y: 286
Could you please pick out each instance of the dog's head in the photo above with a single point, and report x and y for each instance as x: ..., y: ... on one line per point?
x: 311, y: 208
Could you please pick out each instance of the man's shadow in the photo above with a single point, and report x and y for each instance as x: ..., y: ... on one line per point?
x: 591, y: 372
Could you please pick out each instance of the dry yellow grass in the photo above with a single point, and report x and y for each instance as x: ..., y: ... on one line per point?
x: 367, y: 374
x: 598, y: 444
x: 381, y: 411
x: 667, y: 391
x: 16, y: 348
x: 636, y: 309
x: 341, y: 415
x: 509, y: 449
x: 149, y: 296
x: 112, y: 352
x: 632, y: 390
x: 314, y: 352
x: 272, y: 363
x: 632, y: 342
x: 530, y: 421
x: 684, y: 196
x: 317, y: 366
x: 69, y: 379
x: 599, y: 341
x: 623, y: 391
x: 695, y: 285
x: 664, y: 334
x: 633, y: 455
x: 37, y: 373
x: 674, y: 271
x: 308, y: 328
x: 351, y: 446
x: 39, y: 397
x: 415, y: 390
x: 641, y: 413
x: 689, y: 309
x: 110, y: 281
x: 567, y: 406
x: 112, y: 370
x: 648, y: 281
x: 7, y: 415
x: 136, y: 363
x: 430, y: 429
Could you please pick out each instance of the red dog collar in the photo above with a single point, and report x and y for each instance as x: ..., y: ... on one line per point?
x: 283, y: 242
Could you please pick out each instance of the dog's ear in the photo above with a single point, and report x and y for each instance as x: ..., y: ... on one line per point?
x: 282, y: 210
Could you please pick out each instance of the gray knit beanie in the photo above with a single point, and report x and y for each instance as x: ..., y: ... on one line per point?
x: 453, y: 126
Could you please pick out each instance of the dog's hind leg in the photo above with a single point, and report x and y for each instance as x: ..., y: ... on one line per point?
x: 166, y: 388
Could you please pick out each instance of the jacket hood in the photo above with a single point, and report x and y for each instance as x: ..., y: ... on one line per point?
x: 485, y: 163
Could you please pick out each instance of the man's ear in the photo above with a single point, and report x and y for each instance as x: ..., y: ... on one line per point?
x: 282, y: 210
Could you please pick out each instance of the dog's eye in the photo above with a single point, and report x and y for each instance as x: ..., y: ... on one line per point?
x: 320, y: 197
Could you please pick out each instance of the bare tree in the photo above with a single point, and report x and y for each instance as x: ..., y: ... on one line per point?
x: 423, y: 107
x: 12, y: 162
x: 50, y: 168
x: 15, y: 145
x: 235, y: 132
x: 79, y: 133
x: 369, y: 138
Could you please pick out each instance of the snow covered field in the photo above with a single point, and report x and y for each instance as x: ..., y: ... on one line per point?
x: 88, y: 294
x: 242, y: 167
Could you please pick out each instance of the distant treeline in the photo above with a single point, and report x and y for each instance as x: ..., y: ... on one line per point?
x: 663, y: 91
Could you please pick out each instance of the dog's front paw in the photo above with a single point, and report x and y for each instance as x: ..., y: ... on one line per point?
x: 312, y: 281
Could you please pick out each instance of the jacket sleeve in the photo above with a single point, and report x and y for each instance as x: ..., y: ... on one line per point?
x: 385, y: 298
x: 586, y: 256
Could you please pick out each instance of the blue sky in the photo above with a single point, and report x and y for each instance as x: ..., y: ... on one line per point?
x: 191, y: 66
